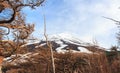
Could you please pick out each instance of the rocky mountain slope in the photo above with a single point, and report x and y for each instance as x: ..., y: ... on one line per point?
x: 62, y: 43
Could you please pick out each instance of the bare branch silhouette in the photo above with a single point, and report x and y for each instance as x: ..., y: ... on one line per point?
x: 112, y: 20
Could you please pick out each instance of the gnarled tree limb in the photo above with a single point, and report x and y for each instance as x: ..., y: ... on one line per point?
x: 15, y: 6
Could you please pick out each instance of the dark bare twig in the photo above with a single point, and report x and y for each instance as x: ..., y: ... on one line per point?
x: 112, y: 20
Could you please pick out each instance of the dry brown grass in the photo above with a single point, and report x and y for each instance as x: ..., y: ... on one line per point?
x: 70, y: 63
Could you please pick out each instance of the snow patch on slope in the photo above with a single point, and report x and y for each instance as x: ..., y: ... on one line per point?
x: 21, y: 58
x: 84, y: 50
x: 60, y: 49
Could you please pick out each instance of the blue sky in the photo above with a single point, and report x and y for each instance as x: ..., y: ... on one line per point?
x: 83, y: 18
x: 6, y: 14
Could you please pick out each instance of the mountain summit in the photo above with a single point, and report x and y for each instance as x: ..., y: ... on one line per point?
x: 63, y: 42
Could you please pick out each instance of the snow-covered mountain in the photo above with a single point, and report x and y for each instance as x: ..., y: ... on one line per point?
x: 65, y: 42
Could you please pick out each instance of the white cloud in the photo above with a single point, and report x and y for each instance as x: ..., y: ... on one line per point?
x: 87, y: 20
x: 84, y: 18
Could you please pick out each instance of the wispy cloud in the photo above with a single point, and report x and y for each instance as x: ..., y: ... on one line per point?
x: 82, y: 17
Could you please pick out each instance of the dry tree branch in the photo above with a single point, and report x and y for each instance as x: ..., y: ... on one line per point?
x: 112, y: 20
x: 21, y: 31
x: 49, y: 45
x: 16, y: 5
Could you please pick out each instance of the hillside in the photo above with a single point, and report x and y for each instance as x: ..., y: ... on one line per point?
x: 71, y: 55
x: 62, y: 43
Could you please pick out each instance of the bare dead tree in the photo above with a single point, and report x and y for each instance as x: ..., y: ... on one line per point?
x: 14, y: 21
x: 49, y: 46
x: 10, y: 19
